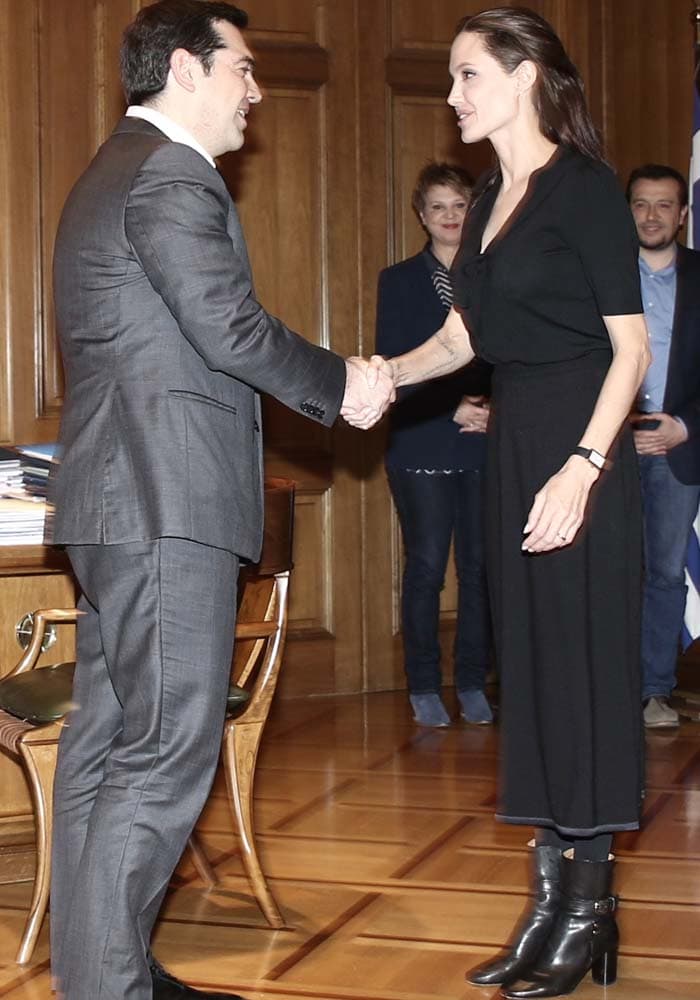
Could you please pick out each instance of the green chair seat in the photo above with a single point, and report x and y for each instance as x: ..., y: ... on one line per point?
x: 42, y: 695
x: 45, y: 694
x: 237, y: 699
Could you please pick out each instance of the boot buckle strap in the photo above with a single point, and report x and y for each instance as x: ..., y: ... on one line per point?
x: 602, y: 906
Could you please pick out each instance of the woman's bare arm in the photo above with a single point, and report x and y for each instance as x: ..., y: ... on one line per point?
x: 447, y: 350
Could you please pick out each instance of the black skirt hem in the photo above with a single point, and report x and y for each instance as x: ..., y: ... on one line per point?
x: 567, y: 831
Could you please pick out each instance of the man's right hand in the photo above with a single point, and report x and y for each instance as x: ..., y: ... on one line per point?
x: 663, y: 438
x: 369, y: 389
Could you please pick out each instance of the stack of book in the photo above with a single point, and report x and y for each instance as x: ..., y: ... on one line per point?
x: 24, y: 473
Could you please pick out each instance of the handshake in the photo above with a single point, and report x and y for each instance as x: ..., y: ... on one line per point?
x: 369, y: 389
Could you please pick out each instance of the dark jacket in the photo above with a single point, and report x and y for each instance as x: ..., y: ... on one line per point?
x: 682, y: 395
x: 422, y: 433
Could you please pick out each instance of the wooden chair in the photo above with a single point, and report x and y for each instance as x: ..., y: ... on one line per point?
x: 261, y: 629
x: 35, y: 744
x: 259, y: 645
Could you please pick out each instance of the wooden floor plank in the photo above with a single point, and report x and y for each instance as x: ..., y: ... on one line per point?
x: 379, y: 842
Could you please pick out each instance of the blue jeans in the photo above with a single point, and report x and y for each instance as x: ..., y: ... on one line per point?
x: 431, y: 509
x: 669, y: 511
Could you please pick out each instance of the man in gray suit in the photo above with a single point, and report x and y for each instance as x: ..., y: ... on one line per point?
x: 158, y: 496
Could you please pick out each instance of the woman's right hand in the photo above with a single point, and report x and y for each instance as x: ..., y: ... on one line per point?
x: 472, y: 414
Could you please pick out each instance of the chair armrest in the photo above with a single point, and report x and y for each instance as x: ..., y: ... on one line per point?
x: 42, y: 618
x: 255, y: 630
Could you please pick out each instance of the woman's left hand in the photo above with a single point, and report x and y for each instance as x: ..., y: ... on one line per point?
x: 559, y: 507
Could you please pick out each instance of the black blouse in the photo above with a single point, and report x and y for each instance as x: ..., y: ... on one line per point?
x: 565, y: 258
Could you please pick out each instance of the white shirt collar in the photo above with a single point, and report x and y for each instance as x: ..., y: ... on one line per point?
x: 168, y: 127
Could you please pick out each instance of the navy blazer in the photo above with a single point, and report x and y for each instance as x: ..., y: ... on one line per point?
x: 682, y: 394
x: 422, y: 432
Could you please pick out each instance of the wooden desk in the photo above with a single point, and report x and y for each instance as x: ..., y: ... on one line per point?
x: 31, y: 576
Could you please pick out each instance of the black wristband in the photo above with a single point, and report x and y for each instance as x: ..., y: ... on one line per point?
x: 593, y: 456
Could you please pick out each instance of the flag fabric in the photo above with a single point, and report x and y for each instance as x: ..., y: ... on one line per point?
x: 691, y: 621
x: 694, y: 174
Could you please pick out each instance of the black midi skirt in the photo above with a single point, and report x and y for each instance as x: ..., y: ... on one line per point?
x: 567, y: 623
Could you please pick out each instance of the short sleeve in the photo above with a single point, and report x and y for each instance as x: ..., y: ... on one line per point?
x: 602, y: 231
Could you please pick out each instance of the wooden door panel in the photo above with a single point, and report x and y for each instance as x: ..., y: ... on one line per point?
x: 416, y: 24
x: 284, y: 21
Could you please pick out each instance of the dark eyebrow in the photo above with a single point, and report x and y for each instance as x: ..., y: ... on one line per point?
x: 246, y: 61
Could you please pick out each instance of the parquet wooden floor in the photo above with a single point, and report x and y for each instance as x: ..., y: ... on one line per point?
x: 379, y: 841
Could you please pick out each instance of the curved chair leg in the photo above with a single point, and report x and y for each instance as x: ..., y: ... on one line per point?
x: 240, y: 752
x: 202, y: 863
x: 40, y: 761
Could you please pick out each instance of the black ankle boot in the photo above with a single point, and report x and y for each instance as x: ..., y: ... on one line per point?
x: 584, y: 937
x: 532, y: 932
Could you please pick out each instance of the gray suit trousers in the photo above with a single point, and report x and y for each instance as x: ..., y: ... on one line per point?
x: 137, y: 760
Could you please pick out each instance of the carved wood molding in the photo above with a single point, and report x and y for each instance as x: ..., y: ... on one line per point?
x: 304, y: 67
x: 418, y: 71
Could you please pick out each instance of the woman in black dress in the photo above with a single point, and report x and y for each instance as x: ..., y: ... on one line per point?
x: 546, y: 287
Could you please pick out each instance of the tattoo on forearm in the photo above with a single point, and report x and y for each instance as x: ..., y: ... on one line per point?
x: 432, y: 365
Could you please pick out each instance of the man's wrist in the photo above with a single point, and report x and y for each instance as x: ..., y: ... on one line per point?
x: 684, y: 428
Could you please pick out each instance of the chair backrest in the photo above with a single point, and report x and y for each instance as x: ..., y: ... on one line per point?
x: 278, y: 533
x: 261, y: 621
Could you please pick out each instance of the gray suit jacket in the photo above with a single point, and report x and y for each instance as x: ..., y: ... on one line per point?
x: 164, y: 346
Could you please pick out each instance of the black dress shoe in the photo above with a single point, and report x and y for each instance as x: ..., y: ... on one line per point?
x: 168, y: 987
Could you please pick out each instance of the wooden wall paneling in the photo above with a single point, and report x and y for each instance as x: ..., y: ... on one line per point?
x: 19, y: 208
x: 346, y: 33
x: 650, y: 53
x: 285, y: 21
x: 67, y: 49
x: 311, y: 647
x: 295, y: 185
x: 65, y: 52
x: 17, y: 28
x: 425, y: 128
x: 309, y: 605
x: 111, y: 17
x: 415, y: 24
x: 281, y: 206
x: 582, y: 31
x: 380, y: 544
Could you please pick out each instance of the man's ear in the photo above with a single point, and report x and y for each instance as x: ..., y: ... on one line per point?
x: 684, y: 212
x: 183, y: 69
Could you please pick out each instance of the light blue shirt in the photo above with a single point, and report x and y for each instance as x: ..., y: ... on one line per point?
x: 659, y: 298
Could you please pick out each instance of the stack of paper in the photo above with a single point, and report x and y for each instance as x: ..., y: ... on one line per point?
x: 24, y: 473
x: 10, y: 471
x: 21, y: 522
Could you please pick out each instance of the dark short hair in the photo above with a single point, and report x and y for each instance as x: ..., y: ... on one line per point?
x: 658, y: 172
x: 513, y: 34
x: 434, y: 173
x: 158, y: 30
